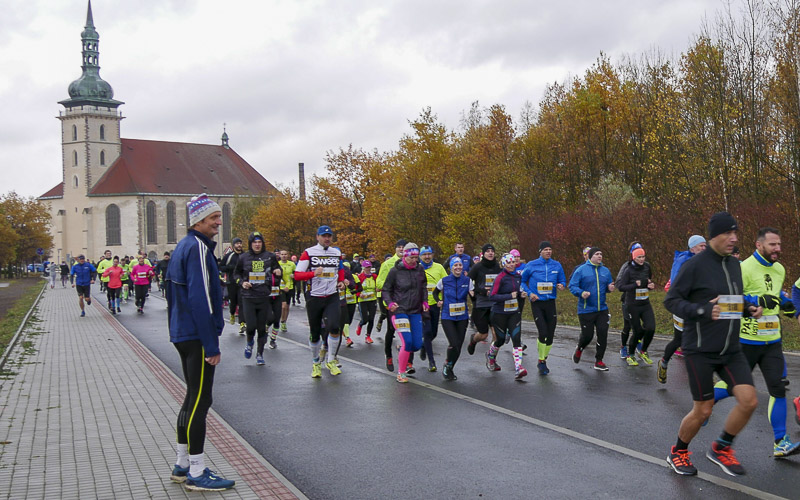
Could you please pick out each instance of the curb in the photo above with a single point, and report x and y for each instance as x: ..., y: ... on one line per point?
x: 17, y: 335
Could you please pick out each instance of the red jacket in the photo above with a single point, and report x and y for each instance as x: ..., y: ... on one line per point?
x: 114, y: 274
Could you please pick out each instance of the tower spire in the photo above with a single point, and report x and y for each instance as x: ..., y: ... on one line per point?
x: 225, y: 136
x: 89, y: 19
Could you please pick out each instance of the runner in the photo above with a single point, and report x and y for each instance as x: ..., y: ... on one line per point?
x: 53, y: 269
x: 796, y: 304
x: 299, y: 287
x: 451, y: 294
x: 626, y: 324
x: 388, y: 340
x: 194, y: 309
x: 367, y: 299
x: 542, y: 279
x: 762, y: 279
x: 104, y: 264
x: 64, y: 269
x: 434, y: 272
x: 465, y: 259
x: 275, y: 303
x: 228, y: 266
x: 255, y: 271
x: 287, y: 287
x: 505, y: 315
x: 707, y: 294
x: 142, y: 273
x: 161, y: 272
x: 114, y: 285
x: 321, y: 267
x: 347, y: 303
x: 589, y: 283
x: 483, y: 275
x: 82, y: 277
x: 406, y: 295
x: 127, y: 283
x: 636, y: 284
x: 696, y: 245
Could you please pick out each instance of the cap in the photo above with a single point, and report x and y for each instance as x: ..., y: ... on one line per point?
x: 236, y: 240
x: 323, y: 230
x: 695, y: 240
x: 514, y: 252
x: 487, y: 247
x: 593, y: 251
x: 544, y: 244
x: 425, y: 249
x: 721, y: 222
x: 400, y: 243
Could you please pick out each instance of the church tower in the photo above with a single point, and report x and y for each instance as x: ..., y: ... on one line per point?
x: 90, y: 138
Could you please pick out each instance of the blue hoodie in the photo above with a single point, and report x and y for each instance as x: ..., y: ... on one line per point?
x: 543, y: 270
x: 592, y: 279
x: 194, y: 293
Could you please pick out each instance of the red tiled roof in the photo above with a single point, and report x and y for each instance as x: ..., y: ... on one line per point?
x: 160, y: 167
x: 56, y: 192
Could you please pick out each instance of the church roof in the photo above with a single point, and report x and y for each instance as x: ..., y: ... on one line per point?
x: 159, y: 167
x: 56, y: 192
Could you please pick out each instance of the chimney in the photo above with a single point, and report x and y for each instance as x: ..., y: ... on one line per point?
x: 301, y: 167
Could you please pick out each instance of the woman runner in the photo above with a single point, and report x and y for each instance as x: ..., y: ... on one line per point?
x: 367, y: 299
x: 636, y: 284
x: 451, y: 294
x: 505, y: 316
x: 114, y: 285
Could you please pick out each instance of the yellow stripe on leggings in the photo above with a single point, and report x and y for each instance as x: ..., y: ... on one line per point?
x: 199, y: 393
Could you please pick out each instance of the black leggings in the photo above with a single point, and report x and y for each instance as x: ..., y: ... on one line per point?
x: 674, y: 344
x: 544, y: 315
x: 321, y: 309
x: 388, y: 339
x: 430, y: 330
x: 589, y: 323
x: 368, y: 314
x: 141, y: 294
x: 455, y: 331
x: 276, y: 307
x: 191, y: 428
x: 506, y: 324
x: 643, y: 323
x: 257, y: 317
x: 346, y: 314
x: 113, y: 294
x: 233, y: 298
x: 626, y: 326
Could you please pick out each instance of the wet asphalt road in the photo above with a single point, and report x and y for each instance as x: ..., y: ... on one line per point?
x: 575, y: 433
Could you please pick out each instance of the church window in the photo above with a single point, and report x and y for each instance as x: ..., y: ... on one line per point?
x: 226, y: 222
x: 102, y: 132
x: 102, y: 157
x: 113, y: 233
x: 74, y: 181
x: 172, y: 234
x: 151, y: 223
x: 74, y: 158
x: 74, y: 132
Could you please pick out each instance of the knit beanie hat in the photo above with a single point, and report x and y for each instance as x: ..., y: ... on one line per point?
x: 200, y: 207
x: 721, y: 222
x: 593, y: 251
x: 544, y: 244
x: 695, y: 240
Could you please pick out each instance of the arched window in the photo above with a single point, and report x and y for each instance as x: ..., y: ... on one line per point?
x: 172, y: 234
x: 74, y: 181
x: 226, y: 222
x: 112, y: 226
x: 74, y: 158
x: 74, y: 132
x: 102, y: 157
x: 102, y: 132
x: 151, y: 223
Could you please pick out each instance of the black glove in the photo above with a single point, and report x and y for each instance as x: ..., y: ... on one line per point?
x: 769, y: 301
x: 788, y: 309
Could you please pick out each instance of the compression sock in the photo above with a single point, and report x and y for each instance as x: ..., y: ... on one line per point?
x: 540, y: 348
x: 183, y: 455
x: 315, y: 347
x: 346, y: 331
x: 197, y: 464
x: 547, y: 350
x: 402, y: 359
x: 333, y: 344
x: 517, y: 358
x: 493, y: 351
x: 777, y: 417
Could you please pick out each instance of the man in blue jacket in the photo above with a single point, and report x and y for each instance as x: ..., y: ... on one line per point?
x: 194, y: 311
x: 540, y: 280
x: 82, y: 276
x: 589, y: 283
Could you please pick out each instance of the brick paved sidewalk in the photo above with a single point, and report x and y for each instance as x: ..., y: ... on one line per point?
x: 88, y: 412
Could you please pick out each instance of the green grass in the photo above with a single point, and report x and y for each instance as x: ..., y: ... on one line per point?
x: 567, y: 306
x: 13, y: 318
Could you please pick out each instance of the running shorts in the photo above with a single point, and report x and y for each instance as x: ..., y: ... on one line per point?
x: 701, y: 366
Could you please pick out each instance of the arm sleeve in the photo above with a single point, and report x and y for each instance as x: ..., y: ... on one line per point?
x: 796, y: 299
x: 494, y: 296
x: 562, y: 278
x: 677, y: 301
x: 575, y: 283
x: 388, y: 288
x: 238, y: 271
x: 624, y: 282
x: 301, y: 272
x: 198, y: 283
x: 437, y: 291
x: 526, y: 275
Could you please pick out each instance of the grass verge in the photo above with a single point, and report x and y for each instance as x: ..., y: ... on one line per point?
x: 13, y: 318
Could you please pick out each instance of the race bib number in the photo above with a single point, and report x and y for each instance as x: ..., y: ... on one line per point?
x: 341, y: 295
x: 510, y: 305
x: 731, y: 306
x: 367, y: 295
x: 430, y: 291
x: 328, y: 275
x: 769, y: 325
x: 402, y: 325
x: 457, y: 308
x: 142, y: 275
x: 490, y: 280
x: 257, y: 277
x: 544, y: 288
x: 351, y: 299
x: 642, y: 293
x: 677, y: 322
x: 275, y: 291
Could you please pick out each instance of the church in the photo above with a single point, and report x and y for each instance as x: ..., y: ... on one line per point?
x: 128, y: 195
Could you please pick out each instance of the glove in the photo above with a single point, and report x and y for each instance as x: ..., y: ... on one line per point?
x: 769, y: 301
x: 788, y: 309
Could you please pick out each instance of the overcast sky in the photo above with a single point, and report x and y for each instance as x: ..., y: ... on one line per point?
x: 294, y: 79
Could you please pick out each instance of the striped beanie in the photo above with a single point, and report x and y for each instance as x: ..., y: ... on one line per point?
x: 200, y: 207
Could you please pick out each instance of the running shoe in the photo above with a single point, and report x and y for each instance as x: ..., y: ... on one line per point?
x: 284, y: 328
x: 83, y: 313
x: 88, y: 302
x: 358, y: 331
x: 331, y: 365
x: 600, y: 366
x: 623, y: 353
x: 490, y: 364
x: 410, y: 369
x: 338, y: 363
x: 519, y: 374
x: 431, y: 367
x: 179, y: 474
x: 678, y: 353
x: 349, y: 342
x: 316, y: 370
x: 631, y: 361
x: 447, y: 372
x: 401, y: 377
x: 208, y: 481
x: 248, y: 350
x: 380, y: 324
x: 423, y: 354
x: 233, y: 319
x: 368, y: 340
x: 139, y: 311
x: 273, y: 344
x: 471, y: 348
x: 542, y: 366
x: 725, y: 457
x: 576, y: 356
x: 661, y: 375
x: 642, y: 356
x: 119, y: 310
x: 785, y: 447
x: 242, y: 328
x: 260, y: 360
x: 796, y: 402
x: 680, y: 462
x: 389, y: 364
